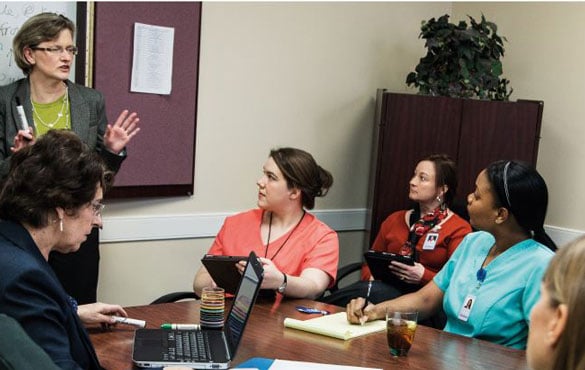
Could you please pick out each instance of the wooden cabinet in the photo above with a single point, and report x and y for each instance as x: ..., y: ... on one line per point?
x: 474, y: 132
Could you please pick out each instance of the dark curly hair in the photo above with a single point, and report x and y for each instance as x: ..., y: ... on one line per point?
x: 59, y: 170
x: 302, y: 172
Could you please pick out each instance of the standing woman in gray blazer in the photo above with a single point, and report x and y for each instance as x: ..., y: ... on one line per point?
x: 44, y: 50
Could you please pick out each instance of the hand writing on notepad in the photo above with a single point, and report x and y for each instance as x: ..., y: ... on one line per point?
x: 359, y: 311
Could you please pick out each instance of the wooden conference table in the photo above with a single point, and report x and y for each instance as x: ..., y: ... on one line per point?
x: 266, y: 336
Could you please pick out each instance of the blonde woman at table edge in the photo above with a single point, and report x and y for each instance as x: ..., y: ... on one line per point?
x: 299, y: 253
x: 557, y: 328
x: 498, y: 268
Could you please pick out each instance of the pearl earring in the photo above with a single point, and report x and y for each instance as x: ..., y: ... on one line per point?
x: 439, y: 199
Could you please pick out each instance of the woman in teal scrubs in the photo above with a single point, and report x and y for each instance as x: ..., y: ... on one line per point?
x: 490, y: 284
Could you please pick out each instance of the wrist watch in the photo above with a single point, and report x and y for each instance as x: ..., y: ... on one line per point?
x: 282, y: 286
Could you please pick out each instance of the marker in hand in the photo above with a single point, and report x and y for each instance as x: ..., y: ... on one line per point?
x: 21, y: 115
x: 129, y: 321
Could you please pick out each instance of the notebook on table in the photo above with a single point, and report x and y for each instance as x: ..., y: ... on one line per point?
x: 202, y: 349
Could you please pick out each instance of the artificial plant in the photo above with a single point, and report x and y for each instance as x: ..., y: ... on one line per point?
x: 461, y: 61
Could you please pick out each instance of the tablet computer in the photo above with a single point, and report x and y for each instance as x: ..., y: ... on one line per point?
x: 378, y: 263
x: 223, y: 270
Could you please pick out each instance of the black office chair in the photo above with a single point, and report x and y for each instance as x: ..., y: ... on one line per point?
x: 18, y: 350
x: 174, y: 297
x: 343, y: 272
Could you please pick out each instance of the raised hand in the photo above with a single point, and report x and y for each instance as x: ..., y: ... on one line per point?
x: 120, y: 133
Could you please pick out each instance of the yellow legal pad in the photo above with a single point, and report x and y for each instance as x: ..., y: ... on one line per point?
x: 335, y: 326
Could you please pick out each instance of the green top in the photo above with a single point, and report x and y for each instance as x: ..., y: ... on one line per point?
x: 53, y: 115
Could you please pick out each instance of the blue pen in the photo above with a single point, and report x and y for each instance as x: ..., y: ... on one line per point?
x: 304, y: 309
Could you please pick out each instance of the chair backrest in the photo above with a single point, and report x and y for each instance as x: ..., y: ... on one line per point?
x: 174, y: 297
x: 18, y: 350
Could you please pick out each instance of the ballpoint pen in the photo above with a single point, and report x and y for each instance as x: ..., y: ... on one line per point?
x: 368, y: 293
x: 310, y: 310
x: 363, y: 318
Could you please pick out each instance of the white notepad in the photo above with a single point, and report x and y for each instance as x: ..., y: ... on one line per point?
x: 336, y: 326
x: 295, y: 365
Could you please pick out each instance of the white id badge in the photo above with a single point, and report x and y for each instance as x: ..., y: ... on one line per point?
x: 466, y: 308
x: 430, y: 241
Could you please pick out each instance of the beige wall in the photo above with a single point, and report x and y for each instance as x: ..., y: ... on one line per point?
x: 305, y: 75
x: 273, y: 74
x: 545, y: 60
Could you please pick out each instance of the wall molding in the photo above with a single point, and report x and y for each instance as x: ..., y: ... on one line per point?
x: 561, y: 235
x: 207, y: 225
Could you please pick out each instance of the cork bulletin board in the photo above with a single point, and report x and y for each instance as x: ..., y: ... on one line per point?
x: 161, y: 158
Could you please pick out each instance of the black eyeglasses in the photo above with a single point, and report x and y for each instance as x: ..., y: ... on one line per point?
x: 58, y: 50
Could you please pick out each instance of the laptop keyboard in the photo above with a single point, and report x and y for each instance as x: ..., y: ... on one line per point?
x: 189, y: 346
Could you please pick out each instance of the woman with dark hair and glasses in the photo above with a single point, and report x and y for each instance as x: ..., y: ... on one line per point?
x: 50, y: 201
x: 490, y: 284
x: 44, y: 50
x: 299, y: 253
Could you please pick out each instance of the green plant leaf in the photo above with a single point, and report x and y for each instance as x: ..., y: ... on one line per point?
x: 462, y: 60
x: 497, y: 68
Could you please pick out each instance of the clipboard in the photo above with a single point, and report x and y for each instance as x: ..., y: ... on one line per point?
x: 378, y: 263
x: 223, y: 270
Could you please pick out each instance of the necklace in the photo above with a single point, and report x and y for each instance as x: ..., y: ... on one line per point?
x: 286, y: 240
x: 63, y: 111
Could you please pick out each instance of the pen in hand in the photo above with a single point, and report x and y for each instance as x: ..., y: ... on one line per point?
x: 368, y: 293
x: 363, y: 319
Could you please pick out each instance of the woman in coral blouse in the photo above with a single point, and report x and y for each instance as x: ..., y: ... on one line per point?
x: 299, y: 253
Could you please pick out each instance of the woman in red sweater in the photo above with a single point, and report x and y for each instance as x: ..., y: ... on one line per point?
x: 429, y: 233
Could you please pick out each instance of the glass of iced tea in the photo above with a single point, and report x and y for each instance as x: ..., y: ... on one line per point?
x: 400, y: 328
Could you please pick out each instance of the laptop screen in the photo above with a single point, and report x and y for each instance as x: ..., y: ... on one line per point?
x: 243, y: 303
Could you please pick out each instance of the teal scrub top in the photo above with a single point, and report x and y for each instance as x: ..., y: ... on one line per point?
x: 502, y: 303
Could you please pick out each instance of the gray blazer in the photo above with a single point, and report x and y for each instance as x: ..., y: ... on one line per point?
x: 88, y: 120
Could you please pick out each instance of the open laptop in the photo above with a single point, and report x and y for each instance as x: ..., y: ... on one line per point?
x: 216, y: 348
